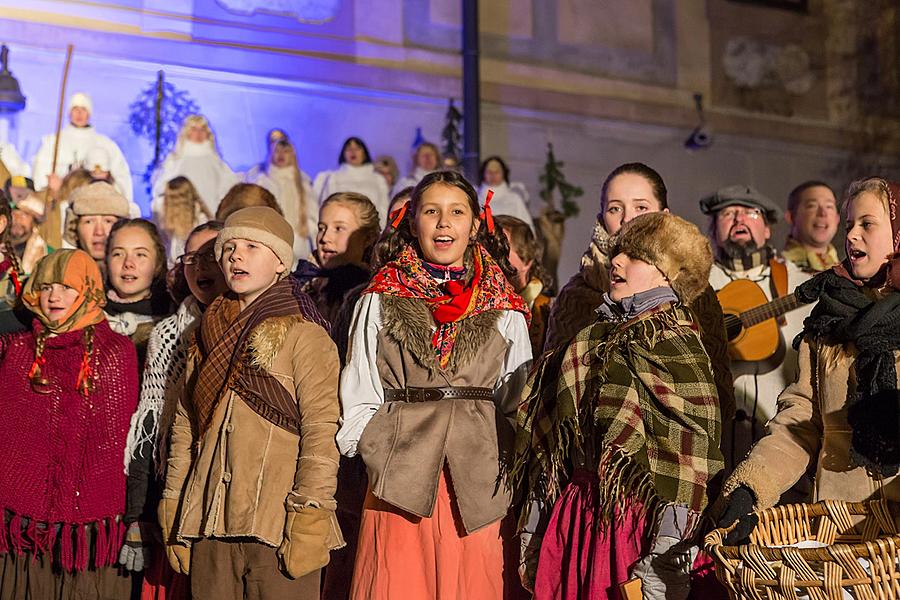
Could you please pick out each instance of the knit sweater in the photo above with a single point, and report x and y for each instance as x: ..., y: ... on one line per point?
x: 61, y: 480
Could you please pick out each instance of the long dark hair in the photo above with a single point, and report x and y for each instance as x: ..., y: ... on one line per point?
x: 653, y: 178
x: 499, y: 161
x: 367, y: 158
x: 158, y: 289
x: 495, y: 243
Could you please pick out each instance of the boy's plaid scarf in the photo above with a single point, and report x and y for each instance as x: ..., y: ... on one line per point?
x: 638, y: 398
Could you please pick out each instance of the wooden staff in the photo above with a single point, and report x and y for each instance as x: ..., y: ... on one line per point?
x: 51, y: 228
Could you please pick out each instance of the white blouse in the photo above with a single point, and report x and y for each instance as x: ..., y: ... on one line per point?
x: 362, y: 393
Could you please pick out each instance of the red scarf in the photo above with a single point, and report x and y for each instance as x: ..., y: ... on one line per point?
x: 450, y: 302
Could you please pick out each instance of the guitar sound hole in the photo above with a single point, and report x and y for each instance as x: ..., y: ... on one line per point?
x: 733, y: 326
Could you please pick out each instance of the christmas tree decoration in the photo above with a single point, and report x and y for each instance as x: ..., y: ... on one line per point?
x: 551, y: 226
x: 157, y: 115
x: 451, y: 136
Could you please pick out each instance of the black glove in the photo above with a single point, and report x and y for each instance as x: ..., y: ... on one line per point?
x: 740, y: 509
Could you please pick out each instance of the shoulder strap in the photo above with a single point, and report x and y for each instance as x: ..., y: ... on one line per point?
x: 778, y: 271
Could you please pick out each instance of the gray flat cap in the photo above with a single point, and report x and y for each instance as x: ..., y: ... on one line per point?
x: 740, y: 195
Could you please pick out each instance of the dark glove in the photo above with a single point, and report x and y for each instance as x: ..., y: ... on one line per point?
x: 740, y: 509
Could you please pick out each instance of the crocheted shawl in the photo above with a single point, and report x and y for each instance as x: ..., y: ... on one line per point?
x: 62, y: 489
x: 452, y: 301
x: 167, y: 352
x: 634, y: 400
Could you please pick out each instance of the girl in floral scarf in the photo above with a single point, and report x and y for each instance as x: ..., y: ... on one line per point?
x: 438, y: 352
x: 70, y: 387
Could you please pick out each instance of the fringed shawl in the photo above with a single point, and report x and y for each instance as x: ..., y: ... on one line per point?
x: 636, y: 401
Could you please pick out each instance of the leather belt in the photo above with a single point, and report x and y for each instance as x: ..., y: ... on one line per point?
x: 414, y: 394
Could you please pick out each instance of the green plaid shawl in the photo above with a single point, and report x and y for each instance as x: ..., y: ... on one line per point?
x: 637, y: 400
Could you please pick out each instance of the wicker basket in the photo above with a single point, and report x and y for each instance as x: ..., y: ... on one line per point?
x: 851, y: 531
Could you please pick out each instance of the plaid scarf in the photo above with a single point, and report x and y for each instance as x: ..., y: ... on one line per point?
x: 222, y: 345
x: 810, y: 260
x: 452, y: 301
x: 637, y: 401
x: 738, y: 258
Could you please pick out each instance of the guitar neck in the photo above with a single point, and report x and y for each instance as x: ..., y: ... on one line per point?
x: 771, y: 310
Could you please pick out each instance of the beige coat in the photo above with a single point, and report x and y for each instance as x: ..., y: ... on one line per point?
x: 244, y: 474
x: 811, y: 429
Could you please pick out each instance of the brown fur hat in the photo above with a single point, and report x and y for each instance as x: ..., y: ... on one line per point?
x: 674, y: 246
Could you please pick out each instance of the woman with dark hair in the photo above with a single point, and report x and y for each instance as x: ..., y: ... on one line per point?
x: 356, y: 173
x: 509, y: 198
x: 145, y: 449
x: 136, y: 273
x: 439, y: 350
x: 630, y: 190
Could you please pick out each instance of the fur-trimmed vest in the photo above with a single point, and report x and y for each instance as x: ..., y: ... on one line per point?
x: 406, y: 444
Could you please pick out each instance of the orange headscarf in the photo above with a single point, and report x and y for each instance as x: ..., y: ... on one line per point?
x: 77, y: 270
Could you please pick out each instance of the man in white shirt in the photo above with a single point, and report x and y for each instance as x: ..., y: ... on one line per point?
x: 740, y: 228
x: 76, y: 141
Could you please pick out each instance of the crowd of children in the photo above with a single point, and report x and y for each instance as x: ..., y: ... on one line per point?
x: 297, y: 388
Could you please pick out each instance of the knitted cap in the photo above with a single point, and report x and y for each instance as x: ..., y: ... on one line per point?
x: 99, y: 198
x: 81, y: 100
x: 674, y: 246
x: 260, y: 224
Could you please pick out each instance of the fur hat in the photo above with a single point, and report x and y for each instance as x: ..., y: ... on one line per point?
x: 81, y: 100
x: 674, y: 246
x: 33, y: 206
x: 99, y: 198
x: 260, y: 224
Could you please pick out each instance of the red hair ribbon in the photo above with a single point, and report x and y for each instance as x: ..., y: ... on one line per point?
x: 397, y: 216
x: 17, y: 283
x: 38, y: 364
x: 487, y: 214
x: 85, y: 374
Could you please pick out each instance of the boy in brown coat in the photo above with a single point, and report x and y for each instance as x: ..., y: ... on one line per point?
x: 248, y: 507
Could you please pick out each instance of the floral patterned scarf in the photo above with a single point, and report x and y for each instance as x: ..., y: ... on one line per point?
x: 452, y: 301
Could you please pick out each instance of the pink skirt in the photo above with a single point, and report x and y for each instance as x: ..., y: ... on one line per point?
x: 579, y: 560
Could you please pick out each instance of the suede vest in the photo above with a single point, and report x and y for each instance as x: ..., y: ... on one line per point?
x: 406, y: 444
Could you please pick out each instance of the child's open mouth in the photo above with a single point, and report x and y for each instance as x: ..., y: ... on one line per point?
x: 239, y: 274
x: 442, y: 242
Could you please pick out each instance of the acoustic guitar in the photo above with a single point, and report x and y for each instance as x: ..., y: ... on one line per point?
x: 751, y: 319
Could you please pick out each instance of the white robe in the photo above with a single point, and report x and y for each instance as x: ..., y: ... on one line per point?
x: 509, y: 200
x: 14, y: 163
x: 280, y: 181
x: 203, y: 166
x: 410, y: 180
x: 362, y: 180
x: 74, y: 145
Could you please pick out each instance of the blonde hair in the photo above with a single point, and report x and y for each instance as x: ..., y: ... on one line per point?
x: 180, y: 203
x: 366, y: 214
x: 301, y: 226
x: 194, y: 121
x: 873, y: 185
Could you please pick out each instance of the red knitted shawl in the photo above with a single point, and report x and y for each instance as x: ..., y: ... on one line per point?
x: 61, y: 477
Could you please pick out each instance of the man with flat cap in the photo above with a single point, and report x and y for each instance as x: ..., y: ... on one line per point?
x: 740, y: 227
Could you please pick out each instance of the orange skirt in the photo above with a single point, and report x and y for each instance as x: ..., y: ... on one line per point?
x: 418, y: 558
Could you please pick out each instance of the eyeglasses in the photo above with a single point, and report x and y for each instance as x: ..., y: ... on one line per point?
x: 194, y: 258
x: 729, y: 214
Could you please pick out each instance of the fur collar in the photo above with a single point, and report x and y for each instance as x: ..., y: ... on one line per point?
x: 267, y: 339
x: 409, y: 323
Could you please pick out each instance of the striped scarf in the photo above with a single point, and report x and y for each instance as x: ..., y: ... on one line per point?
x: 223, y: 348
